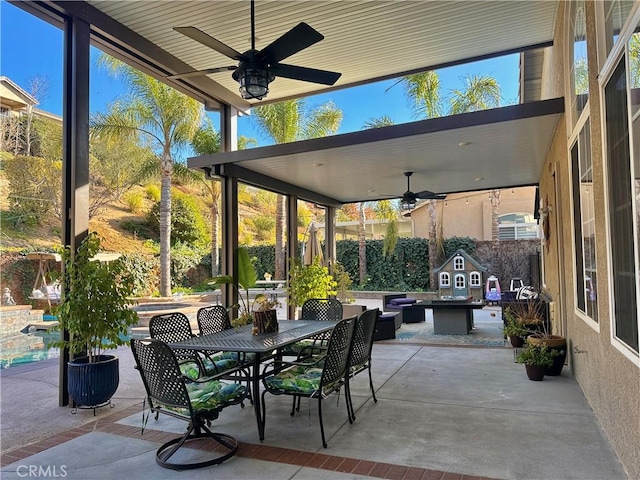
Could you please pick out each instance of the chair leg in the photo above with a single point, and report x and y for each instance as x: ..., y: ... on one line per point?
x: 373, y: 393
x: 293, y: 406
x: 324, y: 442
x: 349, y: 401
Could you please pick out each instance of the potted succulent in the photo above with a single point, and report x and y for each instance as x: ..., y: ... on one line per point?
x: 247, y: 279
x: 556, y: 343
x: 94, y: 309
x: 536, y: 357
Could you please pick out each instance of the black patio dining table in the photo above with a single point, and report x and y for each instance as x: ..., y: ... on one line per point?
x: 262, y: 345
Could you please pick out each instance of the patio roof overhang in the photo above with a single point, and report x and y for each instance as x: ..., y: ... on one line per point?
x: 498, y: 148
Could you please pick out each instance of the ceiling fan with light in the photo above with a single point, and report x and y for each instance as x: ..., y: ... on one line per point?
x: 256, y: 69
x: 409, y: 199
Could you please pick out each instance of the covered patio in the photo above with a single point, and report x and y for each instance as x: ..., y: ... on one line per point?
x: 442, y: 413
x: 463, y: 415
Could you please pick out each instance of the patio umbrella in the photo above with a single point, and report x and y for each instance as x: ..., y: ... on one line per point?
x: 312, y: 247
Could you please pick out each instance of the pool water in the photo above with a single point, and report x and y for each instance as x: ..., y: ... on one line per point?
x: 21, y: 349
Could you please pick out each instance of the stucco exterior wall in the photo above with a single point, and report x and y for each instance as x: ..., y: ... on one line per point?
x: 609, y: 380
x: 470, y: 215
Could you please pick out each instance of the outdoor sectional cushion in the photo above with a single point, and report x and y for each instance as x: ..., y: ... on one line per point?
x: 402, y: 301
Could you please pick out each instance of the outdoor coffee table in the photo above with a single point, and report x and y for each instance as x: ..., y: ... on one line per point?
x: 263, y: 345
x: 452, y: 317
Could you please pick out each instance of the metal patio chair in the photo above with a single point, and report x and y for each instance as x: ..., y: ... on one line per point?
x: 174, y: 327
x: 360, y: 356
x: 199, y: 403
x: 321, y: 309
x: 316, y: 379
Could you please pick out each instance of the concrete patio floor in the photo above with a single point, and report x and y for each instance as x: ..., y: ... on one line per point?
x: 442, y: 413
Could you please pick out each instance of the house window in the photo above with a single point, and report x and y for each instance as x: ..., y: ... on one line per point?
x: 445, y: 280
x: 623, y: 188
x: 460, y: 281
x: 615, y: 15
x: 578, y: 68
x: 584, y: 236
x: 475, y: 279
x: 458, y: 263
x: 517, y: 226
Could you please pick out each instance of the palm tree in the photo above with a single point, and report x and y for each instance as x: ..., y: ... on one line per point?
x: 286, y: 122
x: 207, y: 141
x: 384, y: 210
x: 157, y: 115
x: 423, y: 92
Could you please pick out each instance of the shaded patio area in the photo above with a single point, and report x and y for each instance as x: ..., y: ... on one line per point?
x: 442, y: 413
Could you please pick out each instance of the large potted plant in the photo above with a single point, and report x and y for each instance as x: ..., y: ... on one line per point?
x: 94, y: 309
x: 536, y: 359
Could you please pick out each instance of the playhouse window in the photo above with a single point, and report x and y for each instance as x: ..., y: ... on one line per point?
x: 445, y: 280
x: 474, y: 279
x: 459, y: 281
x: 458, y: 263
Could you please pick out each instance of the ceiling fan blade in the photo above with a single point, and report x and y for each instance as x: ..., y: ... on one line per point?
x: 207, y: 71
x: 428, y: 195
x: 298, y: 38
x: 305, y: 74
x: 207, y: 40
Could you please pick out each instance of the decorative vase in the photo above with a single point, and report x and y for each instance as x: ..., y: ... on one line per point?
x: 93, y: 384
x: 554, y: 342
x: 265, y: 322
x: 535, y: 372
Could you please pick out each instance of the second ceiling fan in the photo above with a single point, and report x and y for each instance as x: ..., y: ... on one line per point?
x: 256, y: 69
x: 409, y: 198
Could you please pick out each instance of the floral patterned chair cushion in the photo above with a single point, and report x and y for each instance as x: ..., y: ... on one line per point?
x: 213, y: 366
x: 211, y: 395
x: 298, y: 379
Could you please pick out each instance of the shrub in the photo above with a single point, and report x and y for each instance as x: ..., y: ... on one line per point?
x: 134, y: 201
x: 153, y: 192
x: 187, y: 222
x: 309, y: 281
x: 144, y: 270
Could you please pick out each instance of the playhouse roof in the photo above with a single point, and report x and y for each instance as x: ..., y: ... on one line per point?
x: 467, y: 257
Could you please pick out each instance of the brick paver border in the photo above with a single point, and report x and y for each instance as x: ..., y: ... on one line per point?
x: 247, y: 450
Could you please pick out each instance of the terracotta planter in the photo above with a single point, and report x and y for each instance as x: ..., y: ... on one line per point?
x: 554, y: 342
x: 535, y: 372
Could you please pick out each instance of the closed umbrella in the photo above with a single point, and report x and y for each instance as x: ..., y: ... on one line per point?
x: 312, y: 247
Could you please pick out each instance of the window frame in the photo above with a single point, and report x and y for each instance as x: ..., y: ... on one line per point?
x: 458, y: 263
x: 442, y: 283
x: 574, y: 142
x: 475, y: 279
x: 617, y: 54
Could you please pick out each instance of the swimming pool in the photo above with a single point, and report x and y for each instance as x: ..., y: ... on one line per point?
x: 20, y: 348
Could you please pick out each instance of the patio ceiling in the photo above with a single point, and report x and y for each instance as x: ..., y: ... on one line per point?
x: 365, y: 40
x: 504, y: 147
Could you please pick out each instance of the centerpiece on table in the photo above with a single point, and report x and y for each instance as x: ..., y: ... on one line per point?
x: 261, y: 312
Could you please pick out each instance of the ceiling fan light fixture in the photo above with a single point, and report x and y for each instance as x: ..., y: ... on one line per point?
x: 254, y: 82
x: 408, y: 203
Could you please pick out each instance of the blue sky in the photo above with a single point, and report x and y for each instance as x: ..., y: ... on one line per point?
x: 30, y: 47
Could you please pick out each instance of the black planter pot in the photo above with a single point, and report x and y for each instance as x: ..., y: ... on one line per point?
x: 516, y: 341
x: 92, y: 385
x: 535, y: 372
